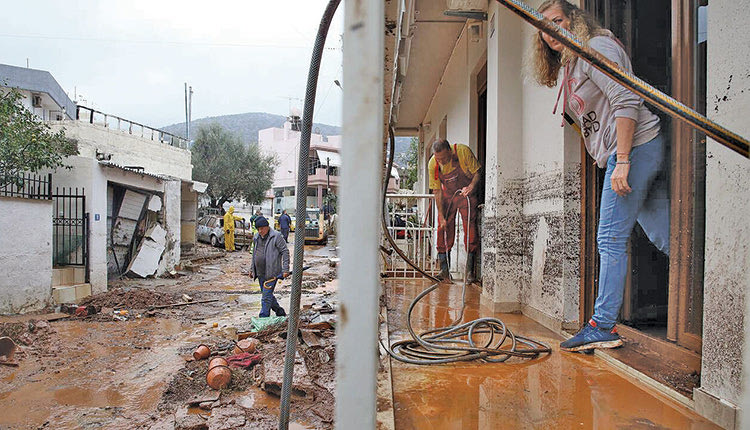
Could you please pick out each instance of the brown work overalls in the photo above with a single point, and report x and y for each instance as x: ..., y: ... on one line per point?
x: 456, y: 180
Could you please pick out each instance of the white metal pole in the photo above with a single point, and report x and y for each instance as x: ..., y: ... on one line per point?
x: 357, y: 354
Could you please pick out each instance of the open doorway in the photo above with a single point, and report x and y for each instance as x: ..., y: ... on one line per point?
x: 662, y: 305
x: 481, y: 125
x: 643, y: 26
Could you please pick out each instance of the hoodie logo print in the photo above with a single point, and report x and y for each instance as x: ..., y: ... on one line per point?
x: 574, y: 100
x: 590, y: 124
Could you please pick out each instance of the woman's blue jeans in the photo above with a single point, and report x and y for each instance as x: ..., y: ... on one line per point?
x: 648, y: 204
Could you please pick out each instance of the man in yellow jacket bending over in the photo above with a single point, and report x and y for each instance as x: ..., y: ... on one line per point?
x: 229, y: 219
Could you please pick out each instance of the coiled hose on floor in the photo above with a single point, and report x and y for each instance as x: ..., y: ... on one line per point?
x: 457, y: 341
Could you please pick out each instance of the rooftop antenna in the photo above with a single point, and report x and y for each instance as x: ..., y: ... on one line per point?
x: 289, y: 99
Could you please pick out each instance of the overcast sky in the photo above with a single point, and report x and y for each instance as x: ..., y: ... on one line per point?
x: 131, y: 58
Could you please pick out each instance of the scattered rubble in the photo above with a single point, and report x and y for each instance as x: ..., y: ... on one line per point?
x: 146, y: 260
x: 210, y: 304
x: 129, y: 298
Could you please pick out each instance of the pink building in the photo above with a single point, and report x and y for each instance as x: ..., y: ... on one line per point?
x: 323, y: 166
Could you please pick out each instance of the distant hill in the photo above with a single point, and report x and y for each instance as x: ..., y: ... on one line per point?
x: 246, y: 125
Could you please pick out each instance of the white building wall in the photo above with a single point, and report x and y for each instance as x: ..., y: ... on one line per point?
x: 129, y: 149
x: 26, y: 257
x: 550, y: 192
x: 503, y: 236
x: 727, y: 251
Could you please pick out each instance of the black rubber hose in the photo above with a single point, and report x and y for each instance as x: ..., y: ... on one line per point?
x: 299, y: 232
x: 455, y: 342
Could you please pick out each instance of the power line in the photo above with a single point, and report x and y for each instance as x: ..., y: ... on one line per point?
x: 159, y: 42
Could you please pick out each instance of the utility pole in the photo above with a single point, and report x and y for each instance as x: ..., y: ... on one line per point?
x: 187, y: 114
x: 328, y: 187
x: 188, y: 109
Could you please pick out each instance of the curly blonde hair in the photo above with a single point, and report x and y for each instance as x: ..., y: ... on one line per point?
x: 544, y: 62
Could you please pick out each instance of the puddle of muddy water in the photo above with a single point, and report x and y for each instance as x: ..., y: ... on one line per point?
x: 94, y: 366
x: 562, y: 390
x: 255, y: 398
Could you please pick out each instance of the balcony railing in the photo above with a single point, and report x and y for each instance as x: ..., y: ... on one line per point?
x: 412, y: 222
x: 131, y: 127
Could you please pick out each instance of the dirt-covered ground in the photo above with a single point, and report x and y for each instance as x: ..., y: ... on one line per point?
x: 130, y: 365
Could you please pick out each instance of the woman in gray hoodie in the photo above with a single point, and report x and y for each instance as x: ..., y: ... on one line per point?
x: 623, y: 136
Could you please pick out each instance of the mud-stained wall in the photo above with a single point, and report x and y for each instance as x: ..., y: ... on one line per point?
x: 531, y: 237
x: 172, y: 215
x: 727, y: 252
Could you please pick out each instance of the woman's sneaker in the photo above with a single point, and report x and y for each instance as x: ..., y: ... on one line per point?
x: 591, y: 337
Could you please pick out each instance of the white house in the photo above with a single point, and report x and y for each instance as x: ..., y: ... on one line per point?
x: 128, y: 204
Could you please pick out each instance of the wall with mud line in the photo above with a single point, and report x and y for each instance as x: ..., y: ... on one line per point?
x: 531, y: 236
x: 727, y: 252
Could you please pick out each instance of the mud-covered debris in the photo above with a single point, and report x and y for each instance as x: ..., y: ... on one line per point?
x: 244, y: 360
x: 209, y: 396
x: 227, y: 418
x: 184, y: 420
x: 129, y: 298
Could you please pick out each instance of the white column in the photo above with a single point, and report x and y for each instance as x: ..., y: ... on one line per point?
x: 356, y: 357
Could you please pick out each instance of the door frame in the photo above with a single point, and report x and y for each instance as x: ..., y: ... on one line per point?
x: 683, y: 257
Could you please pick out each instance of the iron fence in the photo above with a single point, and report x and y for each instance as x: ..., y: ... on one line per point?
x: 412, y: 222
x: 26, y: 185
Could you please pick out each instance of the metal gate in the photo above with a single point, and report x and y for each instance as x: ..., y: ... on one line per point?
x: 70, y: 229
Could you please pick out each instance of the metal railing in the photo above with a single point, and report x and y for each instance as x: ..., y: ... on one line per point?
x: 26, y: 185
x: 412, y: 222
x: 93, y: 116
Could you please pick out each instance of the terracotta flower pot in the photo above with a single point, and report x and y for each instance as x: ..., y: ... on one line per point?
x: 248, y: 345
x: 219, y: 376
x: 202, y: 352
x: 217, y: 361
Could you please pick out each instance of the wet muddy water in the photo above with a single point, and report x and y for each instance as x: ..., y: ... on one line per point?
x: 563, y: 390
x: 112, y: 374
x: 119, y: 365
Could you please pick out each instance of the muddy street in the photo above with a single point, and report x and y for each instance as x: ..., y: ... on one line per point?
x: 130, y: 365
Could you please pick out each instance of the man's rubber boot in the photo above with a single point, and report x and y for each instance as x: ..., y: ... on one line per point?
x: 470, y: 261
x: 445, y: 274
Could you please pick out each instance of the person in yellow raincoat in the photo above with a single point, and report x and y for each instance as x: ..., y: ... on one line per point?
x: 229, y: 219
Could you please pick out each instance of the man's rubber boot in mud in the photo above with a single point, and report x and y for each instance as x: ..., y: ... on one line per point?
x: 445, y: 274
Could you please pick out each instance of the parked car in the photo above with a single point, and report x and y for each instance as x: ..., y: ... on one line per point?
x: 210, y: 229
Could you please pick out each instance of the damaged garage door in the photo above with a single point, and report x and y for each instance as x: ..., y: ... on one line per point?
x: 135, y: 236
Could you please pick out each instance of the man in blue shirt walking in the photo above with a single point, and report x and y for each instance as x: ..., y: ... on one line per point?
x: 270, y: 263
x: 285, y: 223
